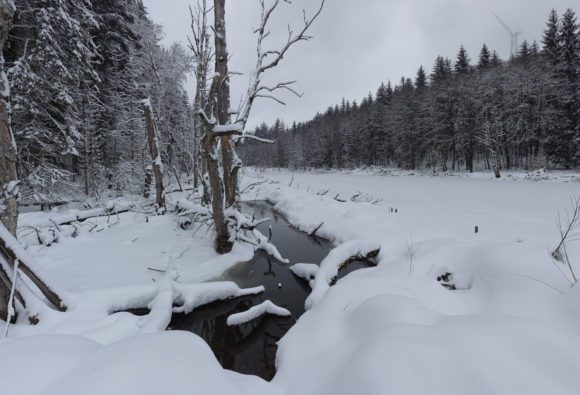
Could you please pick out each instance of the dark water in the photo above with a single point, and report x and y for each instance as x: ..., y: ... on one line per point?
x: 251, y: 348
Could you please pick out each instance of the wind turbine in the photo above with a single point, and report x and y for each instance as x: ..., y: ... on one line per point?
x: 514, y: 36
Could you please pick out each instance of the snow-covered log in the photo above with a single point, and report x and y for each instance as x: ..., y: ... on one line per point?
x: 12, y: 251
x: 356, y: 250
x: 306, y: 271
x: 193, y: 296
x: 72, y: 216
x: 269, y: 248
x: 266, y: 307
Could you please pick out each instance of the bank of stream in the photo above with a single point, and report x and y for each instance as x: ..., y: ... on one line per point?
x: 251, y: 348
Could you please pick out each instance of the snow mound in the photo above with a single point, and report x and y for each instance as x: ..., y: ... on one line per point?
x: 266, y: 307
x: 375, y: 334
x: 161, y: 363
x: 330, y: 266
x: 306, y: 271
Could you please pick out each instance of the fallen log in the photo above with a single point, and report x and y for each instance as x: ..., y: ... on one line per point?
x: 11, y: 250
x: 79, y: 216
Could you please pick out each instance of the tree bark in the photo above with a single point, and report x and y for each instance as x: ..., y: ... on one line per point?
x: 223, y: 102
x: 153, y: 141
x: 217, y: 104
x: 223, y: 242
x: 8, y: 175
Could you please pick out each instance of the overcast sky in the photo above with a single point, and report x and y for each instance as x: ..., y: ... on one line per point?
x: 358, y: 44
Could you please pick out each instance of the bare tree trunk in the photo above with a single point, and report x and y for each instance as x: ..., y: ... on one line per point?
x: 223, y: 242
x: 223, y: 102
x: 221, y: 89
x: 153, y: 142
x: 148, y: 180
x: 8, y: 176
x: 201, y: 48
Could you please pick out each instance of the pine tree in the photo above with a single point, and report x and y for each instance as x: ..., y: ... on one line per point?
x: 550, y: 40
x: 462, y: 66
x: 495, y: 60
x: 563, y: 143
x: 50, y: 63
x: 484, y: 58
x: 421, y: 79
x: 524, y: 51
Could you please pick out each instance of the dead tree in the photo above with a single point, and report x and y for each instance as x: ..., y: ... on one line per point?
x: 218, y: 125
x: 222, y: 99
x: 199, y: 44
x: 156, y: 163
x: 218, y: 93
x: 492, y: 137
x: 267, y: 59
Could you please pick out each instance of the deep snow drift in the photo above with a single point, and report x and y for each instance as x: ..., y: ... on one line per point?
x: 512, y: 325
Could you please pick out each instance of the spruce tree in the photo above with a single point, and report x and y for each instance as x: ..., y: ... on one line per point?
x: 550, y: 40
x: 462, y: 62
x: 484, y: 58
x: 495, y: 59
x: 421, y: 79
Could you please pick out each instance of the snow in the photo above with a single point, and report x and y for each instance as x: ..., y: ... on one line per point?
x: 306, y: 271
x: 209, y: 292
x: 510, y: 326
x: 140, y: 261
x: 236, y: 128
x: 160, y: 363
x: 329, y: 267
x: 254, y: 312
x: 268, y: 247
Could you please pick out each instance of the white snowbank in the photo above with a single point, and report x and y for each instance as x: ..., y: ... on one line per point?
x: 332, y: 263
x: 161, y: 363
x: 513, y: 326
x: 254, y: 312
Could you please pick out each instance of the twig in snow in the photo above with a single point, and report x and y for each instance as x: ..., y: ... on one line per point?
x: 569, y: 228
x: 313, y: 233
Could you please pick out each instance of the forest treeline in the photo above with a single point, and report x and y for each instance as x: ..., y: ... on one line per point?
x: 79, y: 71
x: 473, y: 115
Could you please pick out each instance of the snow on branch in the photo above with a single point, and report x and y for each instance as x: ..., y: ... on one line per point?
x: 266, y: 307
x: 196, y: 295
x: 254, y: 137
x: 356, y: 250
x: 305, y: 271
x: 226, y: 130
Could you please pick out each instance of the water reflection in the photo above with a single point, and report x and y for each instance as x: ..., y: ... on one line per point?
x: 251, y: 348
